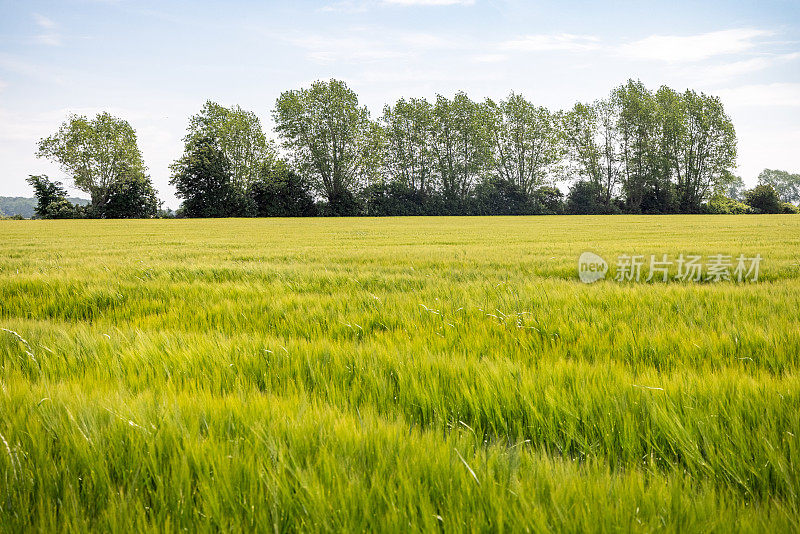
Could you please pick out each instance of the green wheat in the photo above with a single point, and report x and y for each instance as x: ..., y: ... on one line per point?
x: 398, y: 374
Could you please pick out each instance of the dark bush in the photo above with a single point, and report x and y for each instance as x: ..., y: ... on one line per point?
x: 548, y: 200
x: 496, y: 196
x: 660, y: 198
x: 203, y: 180
x: 132, y: 197
x: 584, y: 198
x: 341, y: 204
x: 763, y: 199
x: 789, y: 208
x: 394, y: 198
x: 280, y: 192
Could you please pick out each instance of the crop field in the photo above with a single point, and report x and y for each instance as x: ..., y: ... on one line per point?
x: 397, y: 374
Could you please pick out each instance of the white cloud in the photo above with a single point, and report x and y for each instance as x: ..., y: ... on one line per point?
x: 323, y: 49
x: 371, y: 45
x: 17, y: 65
x: 748, y: 66
x: 345, y: 6
x: 360, y: 6
x: 43, y: 21
x: 674, y: 48
x: 738, y: 68
x: 490, y: 58
x: 721, y: 71
x: 551, y: 42
x: 429, y: 2
x: 49, y: 37
x: 425, y: 41
x: 762, y: 95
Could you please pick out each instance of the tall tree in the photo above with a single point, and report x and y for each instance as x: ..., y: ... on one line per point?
x: 408, y: 128
x: 46, y: 192
x: 131, y: 197
x: 611, y: 160
x: 460, y: 144
x: 95, y: 153
x: 580, y: 128
x: 238, y: 134
x: 785, y: 184
x: 702, y: 151
x: 592, y: 141
x: 526, y: 142
x: 638, y: 128
x: 202, y: 178
x: 331, y: 139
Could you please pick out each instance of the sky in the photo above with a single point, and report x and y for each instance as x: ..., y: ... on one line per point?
x: 156, y: 63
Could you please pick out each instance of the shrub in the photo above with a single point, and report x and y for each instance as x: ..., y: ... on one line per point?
x: 281, y: 193
x: 47, y: 192
x: 496, y: 196
x: 132, y: 197
x: 341, y: 204
x: 789, y: 208
x: 548, y: 200
x: 722, y: 205
x: 584, y: 199
x: 660, y: 198
x: 394, y: 198
x: 763, y: 199
x: 64, y: 209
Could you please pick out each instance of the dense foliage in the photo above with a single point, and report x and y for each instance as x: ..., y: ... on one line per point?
x: 102, y: 158
x: 636, y: 151
x: 281, y: 192
x: 786, y: 185
x: 47, y: 192
x: 764, y: 199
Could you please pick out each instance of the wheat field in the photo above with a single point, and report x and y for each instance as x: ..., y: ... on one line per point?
x: 395, y: 375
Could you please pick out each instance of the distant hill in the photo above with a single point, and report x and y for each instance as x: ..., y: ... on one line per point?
x: 25, y: 206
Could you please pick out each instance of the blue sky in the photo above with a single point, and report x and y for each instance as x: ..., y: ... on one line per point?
x: 155, y: 63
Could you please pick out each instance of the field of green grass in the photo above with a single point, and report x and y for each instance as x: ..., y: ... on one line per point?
x: 399, y: 374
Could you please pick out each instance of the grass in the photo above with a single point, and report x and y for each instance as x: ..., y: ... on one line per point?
x: 401, y: 374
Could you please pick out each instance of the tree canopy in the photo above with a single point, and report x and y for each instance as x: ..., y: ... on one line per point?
x: 785, y: 184
x: 330, y: 138
x: 102, y: 158
x: 527, y: 144
x: 237, y: 133
x: 46, y: 192
x: 203, y: 179
x: 637, y: 150
x: 95, y: 153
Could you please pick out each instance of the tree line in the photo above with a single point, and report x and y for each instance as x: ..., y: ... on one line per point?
x: 635, y: 151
